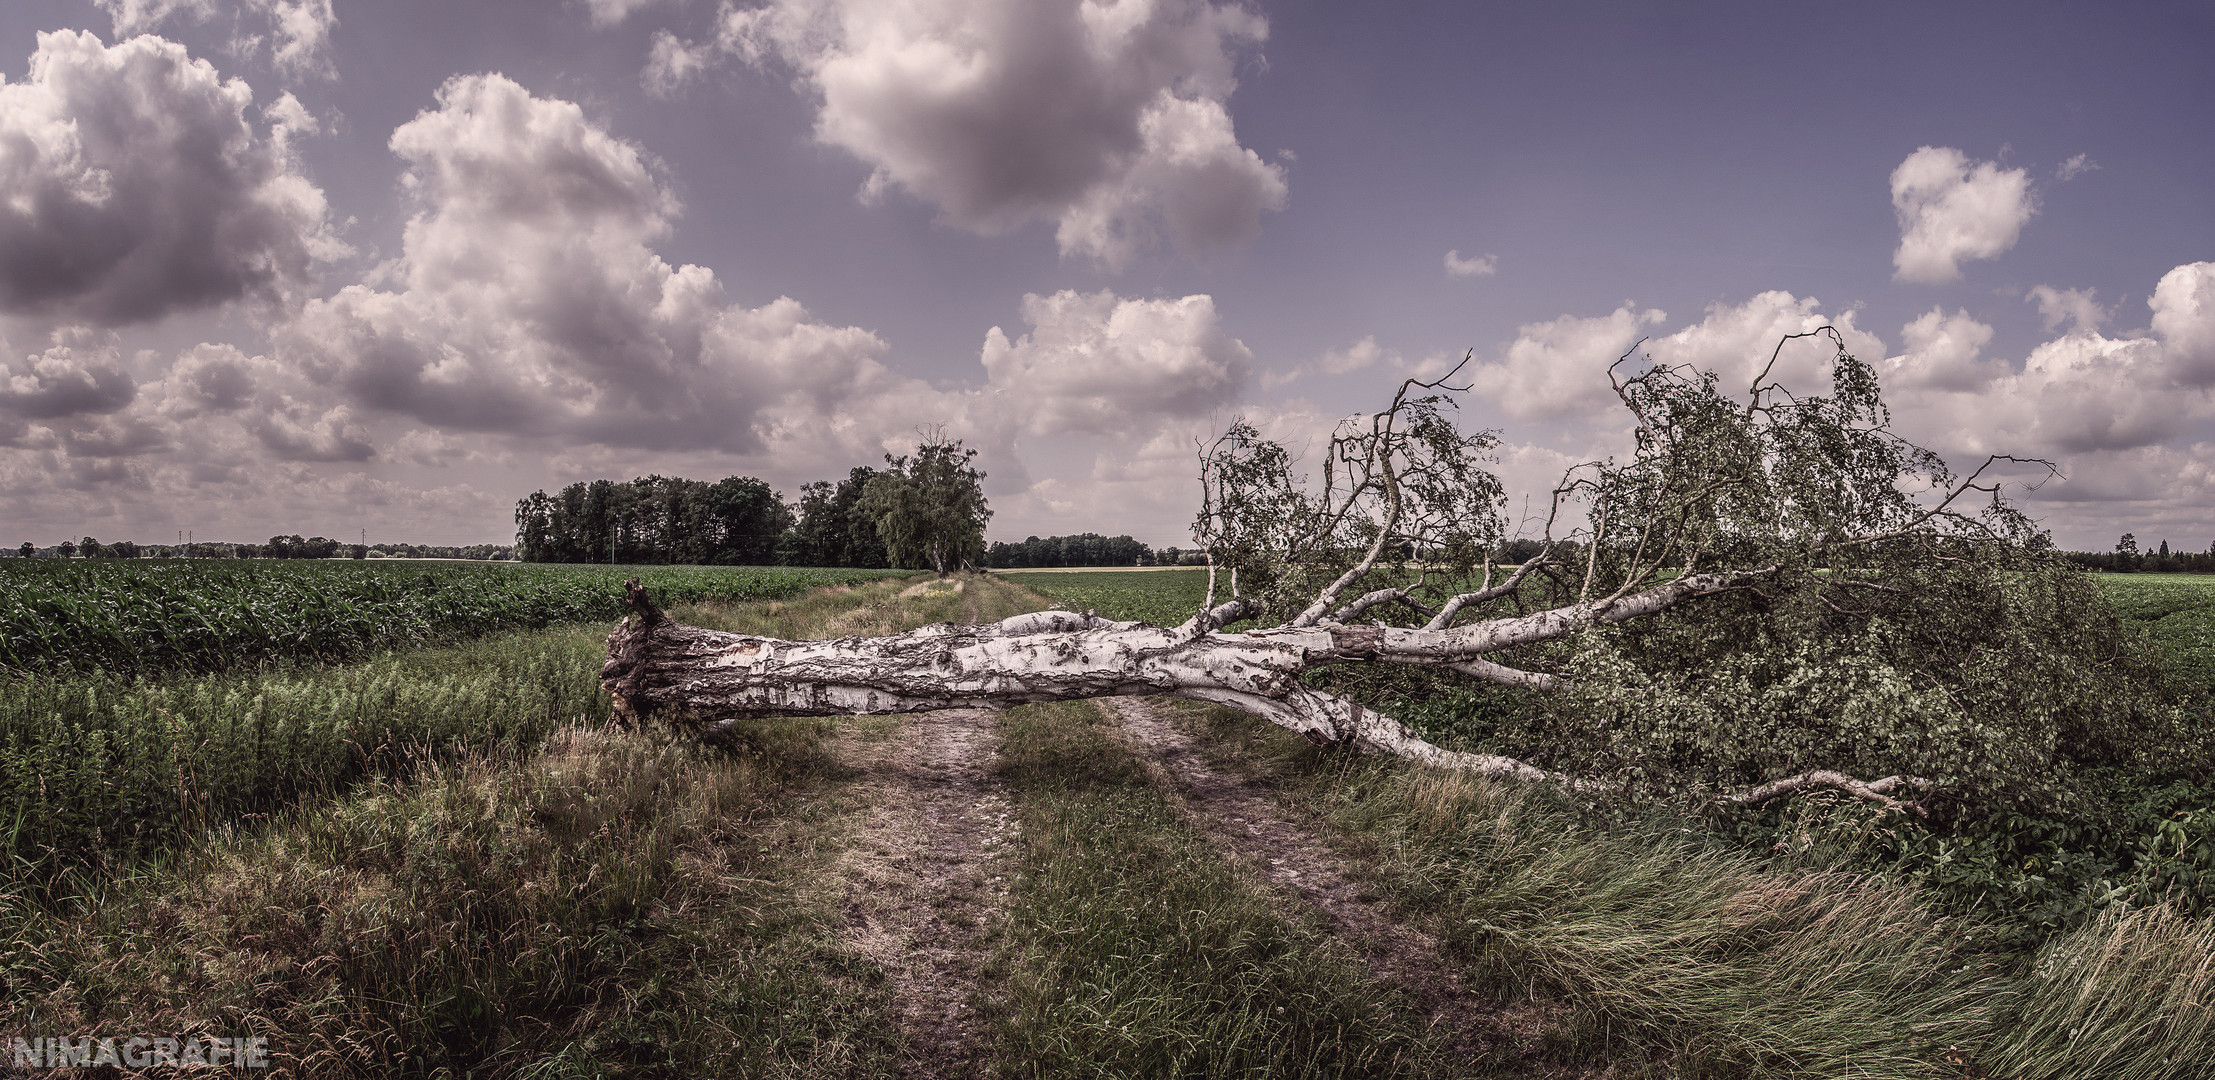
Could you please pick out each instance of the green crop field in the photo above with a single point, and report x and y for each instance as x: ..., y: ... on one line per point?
x: 142, y: 701
x: 1161, y: 597
x: 2178, y: 611
x: 162, y: 616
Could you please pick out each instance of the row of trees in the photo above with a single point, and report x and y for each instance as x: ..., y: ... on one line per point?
x: 278, y: 547
x: 921, y: 511
x: 1083, y: 549
x: 653, y: 519
x: 89, y: 547
x: 2127, y: 559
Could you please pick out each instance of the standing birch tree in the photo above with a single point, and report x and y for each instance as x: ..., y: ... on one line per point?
x: 930, y: 509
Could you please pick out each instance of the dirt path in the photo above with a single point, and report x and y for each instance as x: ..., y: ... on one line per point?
x: 1243, y: 819
x: 920, y: 879
x: 955, y: 585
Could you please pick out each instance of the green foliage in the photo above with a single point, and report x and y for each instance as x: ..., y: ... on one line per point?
x: 930, y: 510
x: 2001, y: 684
x: 1403, y: 487
x: 833, y: 530
x: 2177, y: 611
x: 736, y: 521
x: 149, y: 617
x: 2060, y: 744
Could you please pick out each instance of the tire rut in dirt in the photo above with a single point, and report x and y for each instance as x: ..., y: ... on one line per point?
x: 1243, y: 819
x: 922, y: 880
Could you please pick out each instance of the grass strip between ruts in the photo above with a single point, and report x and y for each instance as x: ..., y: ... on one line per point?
x: 1135, y: 949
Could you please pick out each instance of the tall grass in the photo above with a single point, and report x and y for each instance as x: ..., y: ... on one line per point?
x: 2131, y: 996
x: 1704, y: 952
x: 620, y: 904
x: 578, y: 902
x: 100, y: 765
x: 96, y: 766
x: 1730, y: 965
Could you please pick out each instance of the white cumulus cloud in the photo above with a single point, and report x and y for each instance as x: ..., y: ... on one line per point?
x: 1106, y: 118
x: 1953, y: 210
x: 1944, y: 352
x: 294, y: 34
x: 2183, y: 306
x: 2078, y: 306
x: 610, y: 12
x: 529, y: 299
x: 1742, y: 341
x: 1559, y: 368
x: 133, y: 184
x: 1096, y: 363
x: 2076, y: 396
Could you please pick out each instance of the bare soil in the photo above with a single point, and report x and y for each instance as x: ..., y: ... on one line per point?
x: 1243, y: 818
x: 923, y: 889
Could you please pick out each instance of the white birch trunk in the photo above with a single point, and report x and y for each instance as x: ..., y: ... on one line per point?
x: 659, y: 667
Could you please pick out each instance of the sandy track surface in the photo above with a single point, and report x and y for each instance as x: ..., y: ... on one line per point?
x: 921, y: 878
x: 1244, y: 820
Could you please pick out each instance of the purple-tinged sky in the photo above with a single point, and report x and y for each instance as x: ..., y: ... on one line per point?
x: 323, y: 266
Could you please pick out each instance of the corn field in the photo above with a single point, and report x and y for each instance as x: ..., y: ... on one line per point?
x: 165, y: 616
x: 142, y: 702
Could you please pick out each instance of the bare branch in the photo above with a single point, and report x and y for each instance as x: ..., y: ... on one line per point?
x: 1454, y: 605
x: 1876, y: 791
x: 1403, y: 594
x: 1496, y: 673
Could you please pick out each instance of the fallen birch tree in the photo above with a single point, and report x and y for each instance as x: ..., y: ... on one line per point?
x: 1806, y: 512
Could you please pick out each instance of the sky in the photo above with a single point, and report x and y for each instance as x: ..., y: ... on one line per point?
x: 382, y: 269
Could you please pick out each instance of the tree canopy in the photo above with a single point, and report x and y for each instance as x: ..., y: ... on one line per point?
x: 654, y: 519
x: 833, y: 529
x: 930, y: 508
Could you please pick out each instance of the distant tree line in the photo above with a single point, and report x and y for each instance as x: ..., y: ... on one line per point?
x: 481, y: 552
x: 1083, y: 549
x: 2128, y: 559
x: 925, y: 511
x: 90, y: 548
x: 278, y: 547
